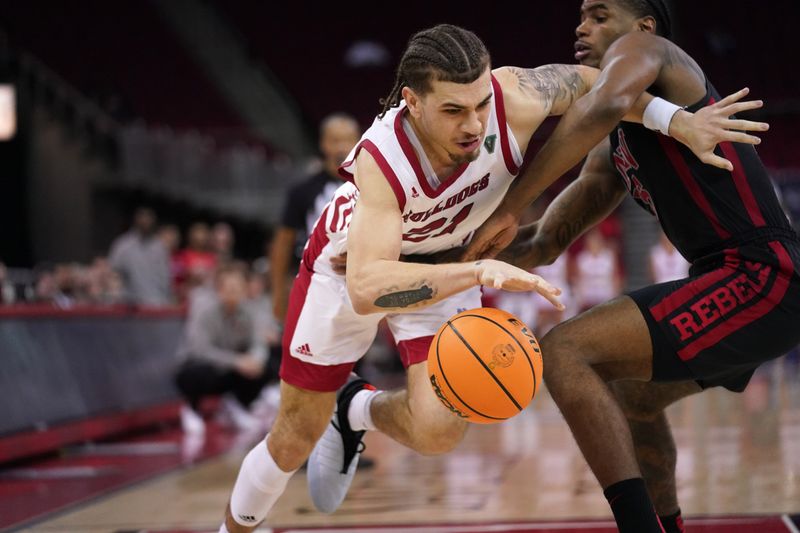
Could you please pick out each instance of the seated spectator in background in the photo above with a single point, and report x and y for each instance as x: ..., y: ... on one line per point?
x: 142, y: 261
x: 222, y: 354
x: 596, y: 273
x: 222, y: 241
x: 8, y: 294
x: 338, y: 134
x: 666, y: 263
x: 102, y: 284
x: 196, y: 262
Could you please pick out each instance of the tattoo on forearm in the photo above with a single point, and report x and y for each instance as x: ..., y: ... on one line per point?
x: 552, y: 82
x: 568, y: 226
x: 405, y: 298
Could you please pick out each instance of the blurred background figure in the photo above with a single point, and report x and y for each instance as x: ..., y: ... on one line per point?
x: 222, y: 242
x: 223, y: 353
x: 141, y: 260
x: 196, y: 262
x: 596, y: 274
x: 338, y: 134
x: 666, y: 263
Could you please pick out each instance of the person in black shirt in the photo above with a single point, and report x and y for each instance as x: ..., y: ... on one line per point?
x: 613, y: 369
x: 338, y: 134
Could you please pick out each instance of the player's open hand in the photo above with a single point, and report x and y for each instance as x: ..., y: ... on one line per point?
x: 500, y: 275
x: 493, y: 236
x: 703, y: 130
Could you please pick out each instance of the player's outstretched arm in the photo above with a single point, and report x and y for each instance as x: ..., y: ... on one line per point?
x: 377, y: 282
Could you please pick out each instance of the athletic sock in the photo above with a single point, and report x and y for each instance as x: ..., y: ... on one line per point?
x: 358, y: 414
x: 633, y: 510
x: 258, y: 486
x: 672, y: 523
x: 223, y: 529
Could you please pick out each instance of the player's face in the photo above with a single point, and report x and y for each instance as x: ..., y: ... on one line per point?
x: 452, y: 117
x: 602, y: 23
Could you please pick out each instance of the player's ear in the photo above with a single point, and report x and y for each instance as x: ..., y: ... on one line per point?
x: 647, y: 24
x: 413, y: 101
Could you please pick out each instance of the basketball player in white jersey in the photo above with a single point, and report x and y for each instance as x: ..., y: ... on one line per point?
x: 430, y: 170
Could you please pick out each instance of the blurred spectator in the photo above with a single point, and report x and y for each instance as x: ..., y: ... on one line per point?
x: 140, y: 258
x: 596, y: 273
x: 666, y: 263
x: 8, y: 294
x: 102, y: 284
x: 170, y: 237
x: 195, y: 263
x: 338, y: 134
x: 222, y: 241
x: 222, y: 353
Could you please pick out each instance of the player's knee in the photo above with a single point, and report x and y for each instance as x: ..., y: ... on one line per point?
x: 559, y: 352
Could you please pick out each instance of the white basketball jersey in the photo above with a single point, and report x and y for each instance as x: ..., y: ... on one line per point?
x: 437, y: 215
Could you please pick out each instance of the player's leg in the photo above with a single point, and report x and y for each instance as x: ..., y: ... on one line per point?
x: 265, y: 471
x: 643, y: 405
x: 415, y: 417
x: 606, y: 343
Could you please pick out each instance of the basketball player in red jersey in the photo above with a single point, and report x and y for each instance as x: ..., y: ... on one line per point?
x: 740, y: 305
x: 433, y: 166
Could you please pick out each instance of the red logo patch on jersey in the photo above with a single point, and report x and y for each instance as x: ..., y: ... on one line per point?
x: 627, y: 166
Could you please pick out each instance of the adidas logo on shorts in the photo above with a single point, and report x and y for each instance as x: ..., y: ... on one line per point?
x: 305, y: 349
x: 247, y: 518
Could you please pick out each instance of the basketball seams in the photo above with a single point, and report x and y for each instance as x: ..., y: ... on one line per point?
x: 449, y: 386
x: 510, y: 334
x: 483, y: 364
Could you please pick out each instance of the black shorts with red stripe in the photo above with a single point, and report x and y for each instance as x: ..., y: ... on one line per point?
x: 739, y: 308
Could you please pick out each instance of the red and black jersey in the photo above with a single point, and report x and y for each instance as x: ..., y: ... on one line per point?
x: 702, y: 209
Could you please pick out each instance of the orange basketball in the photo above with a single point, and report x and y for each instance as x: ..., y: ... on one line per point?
x: 485, y: 365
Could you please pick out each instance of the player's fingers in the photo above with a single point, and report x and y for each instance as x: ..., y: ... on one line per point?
x: 547, y: 286
x: 744, y: 125
x: 739, y: 107
x: 499, y: 279
x: 735, y: 97
x: 712, y: 159
x: 553, y: 299
x: 738, y: 137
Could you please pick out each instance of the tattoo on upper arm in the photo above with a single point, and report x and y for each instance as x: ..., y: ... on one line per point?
x: 551, y: 82
x: 405, y: 298
x: 674, y: 56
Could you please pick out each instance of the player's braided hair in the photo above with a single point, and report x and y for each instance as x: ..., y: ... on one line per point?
x: 446, y: 51
x: 658, y: 9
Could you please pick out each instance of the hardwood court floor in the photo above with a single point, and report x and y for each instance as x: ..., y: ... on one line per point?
x: 738, y: 455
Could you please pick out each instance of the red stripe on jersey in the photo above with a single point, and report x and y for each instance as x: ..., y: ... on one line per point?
x: 672, y: 302
x: 316, y: 241
x: 391, y: 177
x: 751, y: 314
x: 742, y: 185
x: 502, y: 127
x: 413, y: 159
x: 684, y: 172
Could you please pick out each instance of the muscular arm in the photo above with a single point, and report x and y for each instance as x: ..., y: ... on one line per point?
x: 588, y: 200
x: 532, y: 94
x: 377, y: 281
x: 631, y: 65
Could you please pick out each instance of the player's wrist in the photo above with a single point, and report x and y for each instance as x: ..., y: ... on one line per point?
x: 659, y: 114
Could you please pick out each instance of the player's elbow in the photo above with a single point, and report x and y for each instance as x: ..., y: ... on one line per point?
x: 360, y: 299
x: 609, y: 105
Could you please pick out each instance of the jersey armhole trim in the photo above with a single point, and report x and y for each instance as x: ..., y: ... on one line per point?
x: 502, y: 127
x: 391, y: 177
